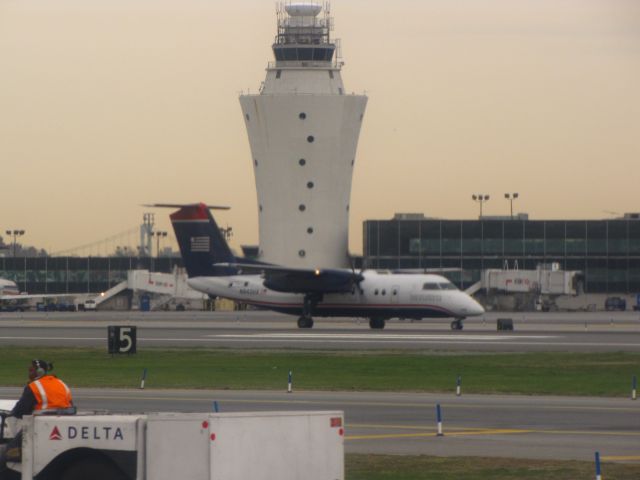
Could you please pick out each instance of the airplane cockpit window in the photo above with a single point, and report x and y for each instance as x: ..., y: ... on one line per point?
x: 447, y: 286
x: 430, y: 286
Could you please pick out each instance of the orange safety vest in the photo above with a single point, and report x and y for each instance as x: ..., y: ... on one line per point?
x: 51, y: 393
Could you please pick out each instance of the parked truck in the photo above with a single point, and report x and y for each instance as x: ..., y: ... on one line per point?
x: 166, y: 446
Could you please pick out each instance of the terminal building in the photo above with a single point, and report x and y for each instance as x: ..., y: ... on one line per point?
x: 606, y: 252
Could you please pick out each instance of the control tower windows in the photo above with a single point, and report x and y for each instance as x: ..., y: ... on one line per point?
x: 278, y: 73
x: 297, y: 53
x: 310, y: 139
x: 246, y: 115
x: 331, y: 74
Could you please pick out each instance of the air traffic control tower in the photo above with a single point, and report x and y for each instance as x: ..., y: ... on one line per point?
x: 303, y: 131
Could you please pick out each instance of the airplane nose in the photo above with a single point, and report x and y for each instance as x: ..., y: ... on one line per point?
x: 477, y: 309
x: 470, y: 307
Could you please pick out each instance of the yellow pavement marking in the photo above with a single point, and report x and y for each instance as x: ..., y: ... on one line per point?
x: 433, y: 434
x: 612, y: 458
x: 469, y: 431
x: 408, y: 427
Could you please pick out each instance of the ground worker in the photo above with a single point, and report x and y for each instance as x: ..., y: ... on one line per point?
x: 44, y: 394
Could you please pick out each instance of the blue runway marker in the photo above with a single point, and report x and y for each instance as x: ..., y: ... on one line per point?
x: 598, y: 473
x: 144, y: 377
x: 439, y: 418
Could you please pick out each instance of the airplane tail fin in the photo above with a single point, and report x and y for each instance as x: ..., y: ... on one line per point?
x: 201, y: 242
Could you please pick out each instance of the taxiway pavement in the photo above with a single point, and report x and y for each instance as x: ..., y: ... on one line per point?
x: 573, y: 332
x: 514, y: 426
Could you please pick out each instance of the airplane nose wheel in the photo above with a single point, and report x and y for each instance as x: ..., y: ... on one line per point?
x: 457, y: 324
x: 305, y: 322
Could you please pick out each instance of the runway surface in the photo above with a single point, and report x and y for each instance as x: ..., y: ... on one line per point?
x: 405, y: 423
x: 585, y: 332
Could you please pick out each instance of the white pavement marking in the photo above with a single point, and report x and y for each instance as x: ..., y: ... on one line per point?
x: 374, y: 337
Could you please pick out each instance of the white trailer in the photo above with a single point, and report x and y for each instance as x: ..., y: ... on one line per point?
x: 188, y: 446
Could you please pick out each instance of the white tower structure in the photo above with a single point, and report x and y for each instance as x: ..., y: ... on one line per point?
x: 303, y: 131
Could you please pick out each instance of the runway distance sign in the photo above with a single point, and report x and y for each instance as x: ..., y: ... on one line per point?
x: 121, y: 339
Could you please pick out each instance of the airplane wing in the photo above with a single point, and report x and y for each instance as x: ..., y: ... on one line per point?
x: 302, y: 280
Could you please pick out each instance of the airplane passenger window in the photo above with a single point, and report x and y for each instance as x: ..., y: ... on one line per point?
x: 430, y: 286
x: 375, y: 292
x: 384, y: 292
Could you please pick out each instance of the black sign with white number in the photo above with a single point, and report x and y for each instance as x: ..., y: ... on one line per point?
x: 121, y: 339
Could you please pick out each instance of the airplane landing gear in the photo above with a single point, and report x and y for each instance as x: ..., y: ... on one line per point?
x: 376, y: 323
x: 457, y: 324
x: 305, y: 322
x: 310, y: 302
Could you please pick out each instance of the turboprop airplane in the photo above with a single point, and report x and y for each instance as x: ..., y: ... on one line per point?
x: 321, y: 292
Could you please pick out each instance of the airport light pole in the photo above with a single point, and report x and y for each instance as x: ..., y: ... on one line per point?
x: 511, y: 197
x: 480, y: 198
x: 158, y: 235
x: 15, y: 234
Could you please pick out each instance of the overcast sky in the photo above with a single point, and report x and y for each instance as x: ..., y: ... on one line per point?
x: 106, y: 105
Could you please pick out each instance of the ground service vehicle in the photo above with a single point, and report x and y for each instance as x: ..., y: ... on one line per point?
x: 169, y: 446
x: 615, y: 303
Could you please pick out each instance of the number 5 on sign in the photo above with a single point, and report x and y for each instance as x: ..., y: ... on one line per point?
x: 121, y: 339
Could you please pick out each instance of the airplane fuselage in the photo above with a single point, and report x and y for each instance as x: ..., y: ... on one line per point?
x: 377, y: 296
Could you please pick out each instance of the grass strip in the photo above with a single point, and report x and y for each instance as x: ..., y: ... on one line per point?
x: 585, y: 374
x: 399, y: 467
